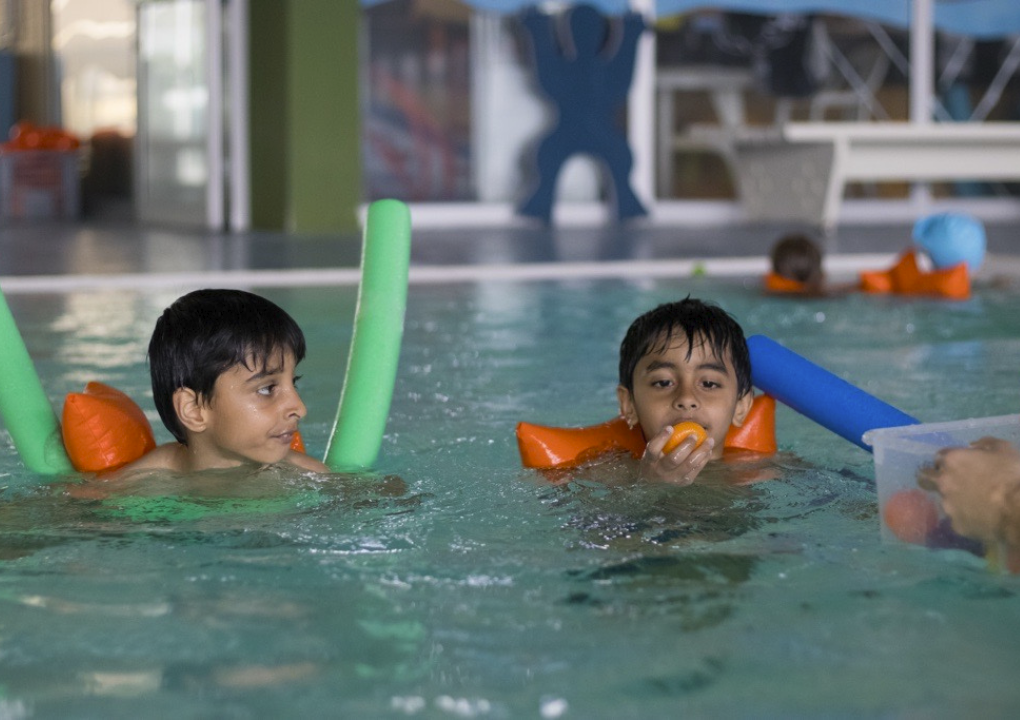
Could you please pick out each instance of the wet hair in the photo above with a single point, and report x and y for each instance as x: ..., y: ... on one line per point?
x: 694, y: 321
x: 205, y: 333
x: 797, y: 257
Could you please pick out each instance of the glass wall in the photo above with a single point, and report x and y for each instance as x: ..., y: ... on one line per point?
x: 451, y: 106
x: 453, y: 112
x: 417, y: 104
x: 94, y: 46
x: 8, y: 35
x: 175, y: 165
x: 722, y: 73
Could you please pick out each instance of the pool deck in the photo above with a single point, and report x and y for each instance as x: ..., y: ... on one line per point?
x: 37, y: 254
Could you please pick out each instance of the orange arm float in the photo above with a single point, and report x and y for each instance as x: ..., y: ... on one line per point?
x: 547, y: 447
x: 907, y: 279
x: 542, y: 446
x: 778, y: 284
x: 104, y: 429
x: 758, y: 433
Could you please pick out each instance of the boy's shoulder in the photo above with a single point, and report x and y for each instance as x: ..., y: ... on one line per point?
x: 306, y: 462
x: 164, y: 457
x: 173, y: 457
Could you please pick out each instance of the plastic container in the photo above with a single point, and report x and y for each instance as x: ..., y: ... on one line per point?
x: 901, y: 451
x: 39, y: 184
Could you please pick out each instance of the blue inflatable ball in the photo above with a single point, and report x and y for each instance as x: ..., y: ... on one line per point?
x: 951, y: 238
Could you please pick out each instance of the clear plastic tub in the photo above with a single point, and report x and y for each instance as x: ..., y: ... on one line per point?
x: 901, y: 451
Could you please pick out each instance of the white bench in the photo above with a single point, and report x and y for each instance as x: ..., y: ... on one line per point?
x: 797, y: 171
x: 725, y: 88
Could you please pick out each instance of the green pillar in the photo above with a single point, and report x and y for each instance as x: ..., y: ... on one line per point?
x: 305, y: 123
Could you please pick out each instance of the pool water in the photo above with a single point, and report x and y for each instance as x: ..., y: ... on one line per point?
x: 481, y: 590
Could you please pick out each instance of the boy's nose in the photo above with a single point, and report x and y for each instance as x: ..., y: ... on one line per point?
x: 685, y: 399
x: 297, y: 406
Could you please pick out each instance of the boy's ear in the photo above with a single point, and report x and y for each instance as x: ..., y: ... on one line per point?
x: 627, y: 410
x: 743, y: 408
x: 190, y: 411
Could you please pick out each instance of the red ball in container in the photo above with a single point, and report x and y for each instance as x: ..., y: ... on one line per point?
x: 911, y: 515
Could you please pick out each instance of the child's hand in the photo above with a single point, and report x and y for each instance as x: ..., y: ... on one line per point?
x: 681, y: 465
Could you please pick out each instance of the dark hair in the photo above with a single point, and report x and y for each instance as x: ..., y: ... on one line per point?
x: 695, y: 321
x: 205, y: 333
x: 797, y: 257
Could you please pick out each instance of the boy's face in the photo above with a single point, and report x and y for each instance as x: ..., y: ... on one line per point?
x: 670, y: 387
x: 253, y: 414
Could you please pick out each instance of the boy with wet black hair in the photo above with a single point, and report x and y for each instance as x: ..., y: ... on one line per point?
x: 684, y: 361
x: 222, y: 365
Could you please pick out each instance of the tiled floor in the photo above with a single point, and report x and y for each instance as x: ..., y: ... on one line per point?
x: 92, y: 247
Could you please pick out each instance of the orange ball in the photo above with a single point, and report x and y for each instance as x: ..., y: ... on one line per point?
x: 682, y: 431
x: 911, y: 515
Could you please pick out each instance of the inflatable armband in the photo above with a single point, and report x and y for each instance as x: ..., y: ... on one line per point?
x: 907, y: 279
x: 545, y: 447
x: 758, y: 433
x: 104, y: 429
x: 776, y: 283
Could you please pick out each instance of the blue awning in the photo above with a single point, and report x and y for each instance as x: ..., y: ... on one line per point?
x: 976, y: 18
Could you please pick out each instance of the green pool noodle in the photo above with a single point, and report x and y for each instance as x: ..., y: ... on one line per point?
x: 375, y: 345
x: 26, y: 410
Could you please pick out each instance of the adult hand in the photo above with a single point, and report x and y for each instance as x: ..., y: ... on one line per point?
x: 976, y: 484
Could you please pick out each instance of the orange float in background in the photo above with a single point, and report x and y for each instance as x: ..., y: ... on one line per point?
x: 776, y: 283
x: 544, y: 447
x: 906, y: 278
x: 26, y: 136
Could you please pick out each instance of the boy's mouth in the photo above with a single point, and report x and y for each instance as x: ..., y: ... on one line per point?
x: 286, y: 436
x: 677, y: 421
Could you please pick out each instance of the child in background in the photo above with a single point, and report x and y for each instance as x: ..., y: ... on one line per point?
x: 684, y: 361
x: 222, y: 365
x: 796, y: 266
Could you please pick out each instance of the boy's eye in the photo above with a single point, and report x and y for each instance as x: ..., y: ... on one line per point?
x: 294, y: 382
x: 662, y: 383
x: 266, y: 389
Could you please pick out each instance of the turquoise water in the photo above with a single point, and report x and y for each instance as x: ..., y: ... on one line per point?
x: 482, y: 591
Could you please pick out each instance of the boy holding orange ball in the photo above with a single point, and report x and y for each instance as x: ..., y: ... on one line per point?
x: 681, y: 364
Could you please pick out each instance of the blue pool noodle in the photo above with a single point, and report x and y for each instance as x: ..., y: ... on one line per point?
x: 819, y: 395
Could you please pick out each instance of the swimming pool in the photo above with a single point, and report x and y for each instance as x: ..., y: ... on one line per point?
x: 484, y: 592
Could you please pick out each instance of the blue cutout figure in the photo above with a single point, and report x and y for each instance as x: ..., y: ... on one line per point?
x: 588, y: 79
